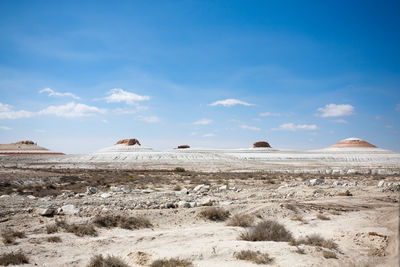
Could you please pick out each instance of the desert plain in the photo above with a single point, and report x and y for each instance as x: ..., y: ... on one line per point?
x: 202, y: 208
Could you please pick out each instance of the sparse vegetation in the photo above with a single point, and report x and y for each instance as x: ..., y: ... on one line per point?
x: 81, y: 230
x: 298, y: 217
x: 173, y: 262
x: 252, y: 256
x: 177, y: 188
x: 52, y: 228
x: 345, y: 194
x: 242, y: 220
x: 315, y: 240
x: 109, y: 261
x: 329, y: 254
x: 323, y: 217
x: 54, y: 239
x: 179, y: 169
x: 267, y: 231
x: 133, y: 222
x: 13, y: 258
x: 215, y: 214
x: 9, y: 236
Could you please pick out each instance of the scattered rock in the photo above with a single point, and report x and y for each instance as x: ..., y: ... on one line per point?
x: 381, y: 183
x: 31, y: 197
x: 198, y: 187
x: 147, y: 191
x: 223, y: 188
x: 128, y: 142
x: 205, y: 202
x: 337, y: 183
x: 46, y: 211
x: 183, y: 204
x: 116, y: 189
x: 317, y: 181
x: 4, y: 196
x: 68, y: 210
x: 92, y: 190
x: 105, y: 195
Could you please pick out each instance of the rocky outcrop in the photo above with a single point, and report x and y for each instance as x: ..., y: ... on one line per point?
x: 261, y: 144
x: 353, y: 142
x: 128, y: 142
x: 25, y: 142
x: 183, y: 146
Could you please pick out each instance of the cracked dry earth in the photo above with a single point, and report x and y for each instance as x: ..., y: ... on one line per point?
x: 351, y: 210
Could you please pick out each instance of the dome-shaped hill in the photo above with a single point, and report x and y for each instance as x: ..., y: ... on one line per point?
x: 353, y: 142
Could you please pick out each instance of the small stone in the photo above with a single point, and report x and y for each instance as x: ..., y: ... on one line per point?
x: 46, y: 211
x: 183, y: 204
x: 105, y: 195
x: 4, y: 196
x: 31, y: 197
x: 116, y: 189
x: 223, y: 188
x: 317, y: 181
x: 198, y: 187
x: 337, y: 183
x: 92, y: 190
x: 68, y: 210
x: 147, y: 191
x: 381, y: 183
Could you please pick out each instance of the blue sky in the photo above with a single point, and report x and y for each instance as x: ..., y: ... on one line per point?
x: 76, y: 76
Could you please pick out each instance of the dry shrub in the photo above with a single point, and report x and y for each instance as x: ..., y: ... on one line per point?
x: 54, y: 239
x: 133, y: 222
x: 291, y: 207
x: 52, y: 228
x: 267, y: 231
x: 109, y: 261
x: 298, y: 217
x: 335, y: 212
x: 173, y: 262
x: 242, y: 220
x: 323, y: 217
x: 9, y: 236
x: 215, y: 214
x: 347, y: 193
x: 81, y: 230
x: 315, y: 240
x: 13, y: 258
x: 177, y: 188
x: 179, y: 169
x: 329, y: 254
x: 252, y: 256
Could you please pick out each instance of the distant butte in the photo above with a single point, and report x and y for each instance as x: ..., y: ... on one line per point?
x: 25, y: 147
x: 183, y: 146
x: 353, y: 142
x: 128, y: 142
x: 261, y: 144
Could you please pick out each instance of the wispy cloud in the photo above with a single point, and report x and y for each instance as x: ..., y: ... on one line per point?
x: 269, y: 114
x: 230, y: 102
x: 7, y: 112
x: 72, y: 110
x: 341, y: 121
x: 118, y: 95
x: 246, y: 127
x: 333, y: 110
x: 5, y: 128
x: 149, y: 119
x: 294, y: 127
x: 54, y: 93
x: 209, y: 135
x: 203, y: 122
x: 133, y: 110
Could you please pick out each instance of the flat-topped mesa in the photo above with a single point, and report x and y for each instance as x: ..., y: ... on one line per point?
x: 183, y: 147
x: 353, y: 142
x: 261, y: 144
x: 24, y: 148
x: 128, y: 142
x: 25, y: 142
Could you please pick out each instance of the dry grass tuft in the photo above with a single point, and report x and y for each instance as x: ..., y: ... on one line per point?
x: 173, y: 262
x: 299, y: 218
x: 52, y: 228
x: 252, y: 256
x: 109, y: 261
x: 81, y: 230
x: 179, y: 169
x: 323, y: 217
x: 242, y: 220
x: 315, y: 240
x: 215, y: 214
x: 9, y: 236
x: 329, y: 254
x: 267, y: 231
x: 13, y: 258
x: 54, y: 239
x: 133, y: 222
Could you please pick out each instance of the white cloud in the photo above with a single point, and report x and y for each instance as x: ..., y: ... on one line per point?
x: 72, y: 110
x: 230, y: 102
x: 295, y: 127
x: 341, y: 121
x: 5, y: 128
x: 6, y: 112
x: 54, y: 93
x: 124, y: 111
x: 269, y: 114
x: 117, y: 95
x: 249, y: 128
x: 209, y: 135
x: 149, y: 119
x: 203, y: 122
x: 333, y: 110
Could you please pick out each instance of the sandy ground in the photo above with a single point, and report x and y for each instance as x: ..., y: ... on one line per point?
x: 364, y: 225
